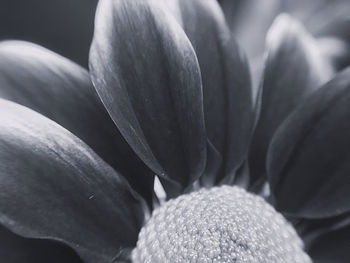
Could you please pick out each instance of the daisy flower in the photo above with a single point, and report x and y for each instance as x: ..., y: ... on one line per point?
x: 168, y: 105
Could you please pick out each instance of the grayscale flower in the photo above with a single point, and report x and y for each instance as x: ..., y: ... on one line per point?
x: 168, y: 99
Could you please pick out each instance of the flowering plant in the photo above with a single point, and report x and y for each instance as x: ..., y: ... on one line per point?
x: 168, y: 95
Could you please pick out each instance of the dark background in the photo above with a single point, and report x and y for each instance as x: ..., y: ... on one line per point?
x: 64, y: 26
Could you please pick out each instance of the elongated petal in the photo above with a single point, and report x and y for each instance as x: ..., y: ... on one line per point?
x: 294, y: 68
x: 16, y: 249
x: 54, y: 186
x: 332, y: 247
x: 147, y: 75
x: 228, y: 108
x: 62, y: 91
x: 309, y: 157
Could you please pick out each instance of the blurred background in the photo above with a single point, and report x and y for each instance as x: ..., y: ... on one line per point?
x: 66, y: 26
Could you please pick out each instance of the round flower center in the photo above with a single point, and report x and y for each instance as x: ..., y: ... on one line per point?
x: 222, y: 224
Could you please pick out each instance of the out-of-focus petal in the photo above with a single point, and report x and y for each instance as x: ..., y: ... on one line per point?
x: 337, y: 50
x: 52, y: 185
x: 147, y: 75
x: 62, y: 91
x: 294, y: 68
x: 232, y: 10
x: 311, y: 229
x: 64, y: 26
x: 16, y: 249
x: 309, y: 157
x: 331, y: 247
x: 249, y: 21
x: 318, y: 14
x: 337, y: 44
x: 228, y: 108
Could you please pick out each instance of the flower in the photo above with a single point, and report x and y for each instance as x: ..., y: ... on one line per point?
x: 172, y: 98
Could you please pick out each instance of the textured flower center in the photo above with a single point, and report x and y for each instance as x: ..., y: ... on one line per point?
x: 223, y: 224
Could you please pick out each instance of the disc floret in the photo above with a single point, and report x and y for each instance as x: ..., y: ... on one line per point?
x: 221, y: 224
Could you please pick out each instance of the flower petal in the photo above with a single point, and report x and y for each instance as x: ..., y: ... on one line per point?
x: 293, y: 70
x: 337, y: 50
x: 54, y: 186
x: 16, y: 249
x: 311, y: 229
x: 335, y: 41
x: 232, y: 10
x: 228, y: 108
x: 309, y: 158
x: 317, y: 15
x: 249, y: 21
x: 332, y: 247
x: 62, y: 91
x: 147, y: 75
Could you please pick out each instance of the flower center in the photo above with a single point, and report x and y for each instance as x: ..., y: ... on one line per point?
x: 222, y: 224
